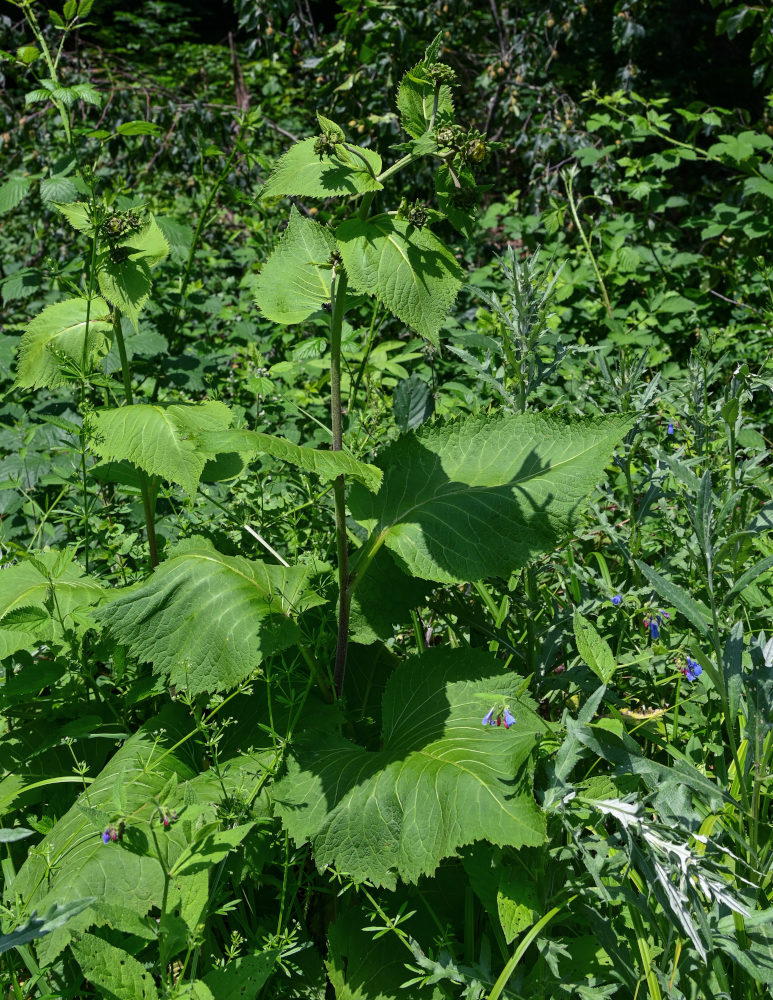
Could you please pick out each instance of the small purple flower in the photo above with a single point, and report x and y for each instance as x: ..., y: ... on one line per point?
x: 488, y: 718
x: 617, y: 600
x: 693, y: 670
x: 106, y: 837
x: 509, y: 718
x: 670, y: 429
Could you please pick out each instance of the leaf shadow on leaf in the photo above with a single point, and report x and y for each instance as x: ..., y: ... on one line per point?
x: 336, y: 175
x: 440, y: 779
x: 455, y: 530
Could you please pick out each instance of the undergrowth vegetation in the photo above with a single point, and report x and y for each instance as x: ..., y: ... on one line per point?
x: 385, y: 600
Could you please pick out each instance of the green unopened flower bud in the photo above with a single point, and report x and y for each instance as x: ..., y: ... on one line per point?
x: 441, y: 73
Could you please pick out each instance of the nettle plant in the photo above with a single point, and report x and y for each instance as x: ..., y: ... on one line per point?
x: 445, y: 505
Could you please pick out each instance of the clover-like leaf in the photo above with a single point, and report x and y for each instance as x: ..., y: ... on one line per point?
x: 295, y: 280
x: 75, y: 329
x: 160, y: 439
x: 206, y: 619
x: 442, y: 779
x: 407, y: 269
x: 325, y: 464
x: 482, y: 496
x: 301, y: 173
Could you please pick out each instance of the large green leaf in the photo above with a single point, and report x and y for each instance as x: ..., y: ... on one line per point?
x: 325, y: 464
x: 416, y: 98
x: 482, y: 496
x: 72, y: 329
x: 161, y: 440
x: 207, y: 619
x: 301, y: 173
x: 295, y: 280
x: 408, y: 269
x: 442, y: 779
x: 113, y: 971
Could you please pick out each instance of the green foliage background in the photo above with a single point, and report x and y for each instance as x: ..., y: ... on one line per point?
x: 554, y: 368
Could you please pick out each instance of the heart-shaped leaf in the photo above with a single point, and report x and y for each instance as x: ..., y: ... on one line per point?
x: 442, y: 779
x: 482, y: 496
x: 295, y: 280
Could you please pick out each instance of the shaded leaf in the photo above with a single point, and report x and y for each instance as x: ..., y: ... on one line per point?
x: 416, y: 98
x: 37, y: 926
x: 117, y: 975
x: 442, y: 779
x: 326, y: 464
x: 481, y: 496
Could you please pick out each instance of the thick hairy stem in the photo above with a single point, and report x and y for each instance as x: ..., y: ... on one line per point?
x: 337, y: 295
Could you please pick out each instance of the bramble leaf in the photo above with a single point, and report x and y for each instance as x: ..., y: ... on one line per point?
x: 207, y: 620
x: 295, y: 280
x: 301, y: 173
x: 407, y: 269
x: 442, y: 779
x: 73, y: 328
x: 14, y: 191
x: 482, y: 496
x: 160, y: 439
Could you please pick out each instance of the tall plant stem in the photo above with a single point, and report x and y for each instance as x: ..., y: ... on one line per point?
x: 337, y: 298
x: 147, y: 499
x: 586, y: 244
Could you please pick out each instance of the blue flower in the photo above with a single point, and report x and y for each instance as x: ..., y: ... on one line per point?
x: 693, y: 670
x: 654, y: 623
x: 106, y: 837
x: 670, y: 429
x: 488, y: 718
x: 509, y: 718
x: 617, y: 600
